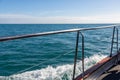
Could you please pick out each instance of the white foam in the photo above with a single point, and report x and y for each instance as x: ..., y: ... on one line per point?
x: 63, y: 72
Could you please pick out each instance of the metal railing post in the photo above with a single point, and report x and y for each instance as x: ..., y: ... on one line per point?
x: 112, y: 42
x: 82, y: 54
x: 117, y: 44
x: 117, y: 39
x: 76, y: 52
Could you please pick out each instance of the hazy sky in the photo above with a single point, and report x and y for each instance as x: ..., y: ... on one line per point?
x: 59, y: 11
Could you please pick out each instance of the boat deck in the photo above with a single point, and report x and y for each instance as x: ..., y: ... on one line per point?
x: 111, y: 74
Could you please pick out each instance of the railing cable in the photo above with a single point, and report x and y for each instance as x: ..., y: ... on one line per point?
x: 43, y: 62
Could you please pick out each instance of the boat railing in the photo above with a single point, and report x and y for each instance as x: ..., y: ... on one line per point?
x: 79, y: 32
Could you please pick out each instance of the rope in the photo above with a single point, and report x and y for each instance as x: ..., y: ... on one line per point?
x: 44, y: 62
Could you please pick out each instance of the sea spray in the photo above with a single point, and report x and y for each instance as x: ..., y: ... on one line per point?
x: 63, y: 72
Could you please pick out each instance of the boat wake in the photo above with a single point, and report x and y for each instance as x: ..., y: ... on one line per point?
x: 63, y: 72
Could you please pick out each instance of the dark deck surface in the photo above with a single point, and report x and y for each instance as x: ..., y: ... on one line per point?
x: 111, y: 74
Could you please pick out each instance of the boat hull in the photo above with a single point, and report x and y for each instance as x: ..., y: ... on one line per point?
x: 95, y: 71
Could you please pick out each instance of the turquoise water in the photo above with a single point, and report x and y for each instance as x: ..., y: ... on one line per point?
x: 18, y: 55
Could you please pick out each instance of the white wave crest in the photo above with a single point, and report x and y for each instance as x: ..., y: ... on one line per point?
x: 63, y: 72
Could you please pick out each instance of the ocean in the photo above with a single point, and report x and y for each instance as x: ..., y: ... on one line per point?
x: 49, y: 57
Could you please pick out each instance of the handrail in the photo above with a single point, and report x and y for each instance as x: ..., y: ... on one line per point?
x: 52, y: 32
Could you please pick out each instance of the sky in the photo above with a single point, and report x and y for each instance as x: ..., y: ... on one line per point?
x: 59, y: 11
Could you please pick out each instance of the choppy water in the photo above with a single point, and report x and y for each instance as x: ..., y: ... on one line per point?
x: 51, y: 55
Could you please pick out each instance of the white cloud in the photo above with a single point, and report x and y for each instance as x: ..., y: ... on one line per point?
x: 14, y: 16
x: 20, y: 18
